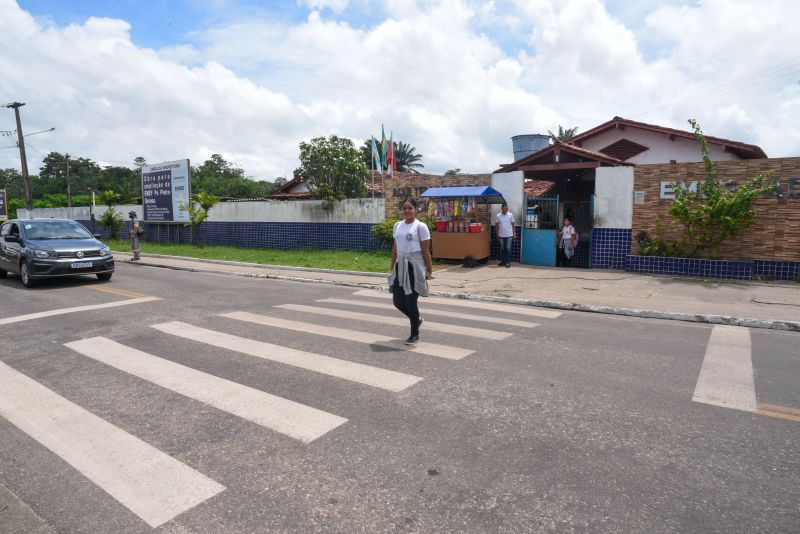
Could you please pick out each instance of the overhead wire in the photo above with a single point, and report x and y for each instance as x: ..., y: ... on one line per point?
x: 779, y: 70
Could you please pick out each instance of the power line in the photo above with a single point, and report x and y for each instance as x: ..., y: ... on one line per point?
x: 760, y: 77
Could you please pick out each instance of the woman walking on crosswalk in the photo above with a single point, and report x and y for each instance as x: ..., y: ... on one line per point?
x: 411, y: 266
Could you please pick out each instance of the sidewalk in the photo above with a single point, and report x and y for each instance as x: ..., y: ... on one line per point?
x: 753, y: 304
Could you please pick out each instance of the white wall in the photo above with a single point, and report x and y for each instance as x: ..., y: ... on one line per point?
x: 613, y: 197
x: 356, y: 210
x: 511, y: 185
x: 662, y: 150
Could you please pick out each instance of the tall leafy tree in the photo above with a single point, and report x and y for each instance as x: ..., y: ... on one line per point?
x: 333, y: 168
x: 564, y: 134
x: 407, y: 158
x: 222, y: 178
x: 11, y: 181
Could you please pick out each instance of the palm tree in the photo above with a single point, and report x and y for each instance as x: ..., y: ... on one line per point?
x: 564, y: 134
x: 407, y: 160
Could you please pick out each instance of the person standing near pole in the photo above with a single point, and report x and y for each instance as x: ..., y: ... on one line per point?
x: 133, y: 234
x: 504, y: 229
x: 411, y: 266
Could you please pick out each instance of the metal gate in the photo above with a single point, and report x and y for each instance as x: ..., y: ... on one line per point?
x: 539, y: 231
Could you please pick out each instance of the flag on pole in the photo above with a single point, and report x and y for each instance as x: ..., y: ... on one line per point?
x: 391, y: 161
x: 384, y: 147
x: 376, y: 157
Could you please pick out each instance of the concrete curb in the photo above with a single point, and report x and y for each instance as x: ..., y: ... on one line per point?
x: 749, y: 322
x: 258, y: 265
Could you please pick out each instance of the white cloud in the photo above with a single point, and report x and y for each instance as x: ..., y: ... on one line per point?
x: 337, y: 6
x: 432, y: 72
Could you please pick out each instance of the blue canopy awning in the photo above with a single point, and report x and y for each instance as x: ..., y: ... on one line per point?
x: 483, y: 193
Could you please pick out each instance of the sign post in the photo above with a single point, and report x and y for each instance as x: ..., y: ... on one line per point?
x: 165, y: 188
x: 3, y: 209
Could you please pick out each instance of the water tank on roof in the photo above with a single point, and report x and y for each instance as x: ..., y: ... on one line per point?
x: 527, y: 144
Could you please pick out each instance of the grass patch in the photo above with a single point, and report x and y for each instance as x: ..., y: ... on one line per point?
x: 378, y: 261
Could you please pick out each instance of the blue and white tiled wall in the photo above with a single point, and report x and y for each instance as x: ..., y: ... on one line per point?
x: 610, y: 247
x: 287, y: 235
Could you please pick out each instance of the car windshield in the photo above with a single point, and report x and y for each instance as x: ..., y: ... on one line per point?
x: 55, y: 230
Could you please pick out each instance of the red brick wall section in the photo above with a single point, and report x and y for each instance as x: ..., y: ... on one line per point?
x: 774, y: 236
x: 406, y: 184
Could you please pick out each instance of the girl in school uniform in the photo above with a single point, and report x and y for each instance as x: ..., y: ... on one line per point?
x: 411, y: 266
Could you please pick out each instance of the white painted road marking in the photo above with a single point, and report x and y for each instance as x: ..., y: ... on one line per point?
x: 726, y: 378
x: 431, y: 349
x: 397, y: 321
x: 150, y: 483
x: 76, y: 309
x: 443, y: 313
x: 464, y: 303
x: 355, y: 372
x: 291, y: 418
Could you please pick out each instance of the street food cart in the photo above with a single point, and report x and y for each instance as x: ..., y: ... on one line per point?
x: 463, y: 226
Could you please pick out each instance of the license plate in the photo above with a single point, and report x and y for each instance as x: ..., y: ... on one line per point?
x: 81, y: 265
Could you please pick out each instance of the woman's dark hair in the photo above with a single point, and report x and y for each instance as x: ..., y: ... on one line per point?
x: 412, y: 201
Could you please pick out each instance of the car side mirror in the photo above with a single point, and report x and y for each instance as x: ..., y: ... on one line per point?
x: 12, y: 239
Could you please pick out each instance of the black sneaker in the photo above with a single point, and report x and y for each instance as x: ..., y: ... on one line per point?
x: 412, y: 340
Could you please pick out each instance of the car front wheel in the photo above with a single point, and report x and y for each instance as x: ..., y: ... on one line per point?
x: 25, y: 274
x: 104, y: 276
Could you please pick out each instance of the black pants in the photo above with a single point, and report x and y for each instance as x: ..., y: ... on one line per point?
x: 561, y: 258
x: 407, y: 304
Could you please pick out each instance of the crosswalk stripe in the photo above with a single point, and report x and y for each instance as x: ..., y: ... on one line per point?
x: 726, y: 377
x: 396, y: 321
x: 355, y: 372
x: 443, y: 313
x: 76, y: 309
x: 287, y: 417
x: 431, y: 349
x: 463, y: 303
x: 150, y: 483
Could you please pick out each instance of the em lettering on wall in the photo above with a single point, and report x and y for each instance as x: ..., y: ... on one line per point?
x: 776, y: 232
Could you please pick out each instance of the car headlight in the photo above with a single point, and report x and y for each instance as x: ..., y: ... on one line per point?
x: 105, y: 251
x: 44, y: 254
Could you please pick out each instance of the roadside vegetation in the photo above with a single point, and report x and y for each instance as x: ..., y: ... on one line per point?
x: 346, y: 260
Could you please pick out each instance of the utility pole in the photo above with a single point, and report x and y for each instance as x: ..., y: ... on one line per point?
x: 69, y: 191
x: 25, y: 178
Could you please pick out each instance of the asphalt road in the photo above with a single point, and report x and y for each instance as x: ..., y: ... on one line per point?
x: 228, y: 405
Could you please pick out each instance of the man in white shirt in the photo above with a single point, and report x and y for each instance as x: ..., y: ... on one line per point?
x: 504, y: 229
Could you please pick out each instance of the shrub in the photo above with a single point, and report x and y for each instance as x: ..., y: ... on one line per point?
x: 382, y: 231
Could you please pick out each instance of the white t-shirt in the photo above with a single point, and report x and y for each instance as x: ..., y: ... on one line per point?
x: 407, y: 237
x: 506, y: 223
x: 566, y: 235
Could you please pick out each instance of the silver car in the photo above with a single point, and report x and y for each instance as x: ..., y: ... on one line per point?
x: 51, y: 248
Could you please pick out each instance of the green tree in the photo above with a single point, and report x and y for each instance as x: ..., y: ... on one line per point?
x: 198, y: 211
x: 333, y: 169
x: 111, y: 219
x: 217, y: 176
x: 564, y: 134
x: 407, y: 158
x: 11, y: 181
x: 453, y: 172
x: 715, y: 213
x: 83, y: 174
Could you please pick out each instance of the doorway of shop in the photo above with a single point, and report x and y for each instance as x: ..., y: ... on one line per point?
x: 540, y: 231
